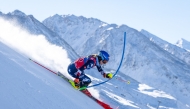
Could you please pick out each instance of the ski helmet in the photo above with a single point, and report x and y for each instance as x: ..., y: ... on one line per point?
x: 104, y: 55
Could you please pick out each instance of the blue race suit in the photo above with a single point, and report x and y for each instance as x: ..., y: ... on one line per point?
x: 76, y: 69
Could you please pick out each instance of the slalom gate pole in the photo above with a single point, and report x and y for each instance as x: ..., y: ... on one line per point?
x: 125, y: 81
x: 117, y: 68
x: 43, y: 66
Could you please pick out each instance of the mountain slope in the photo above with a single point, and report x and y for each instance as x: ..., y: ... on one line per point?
x: 24, y: 81
x: 33, y: 26
x: 173, y: 49
x: 183, y: 44
x: 25, y: 85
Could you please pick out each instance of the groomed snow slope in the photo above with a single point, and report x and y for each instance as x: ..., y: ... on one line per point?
x: 25, y: 85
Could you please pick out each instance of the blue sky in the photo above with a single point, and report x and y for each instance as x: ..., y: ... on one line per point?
x: 167, y: 19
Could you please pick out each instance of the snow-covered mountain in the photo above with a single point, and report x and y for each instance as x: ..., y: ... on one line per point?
x: 145, y: 61
x: 32, y: 25
x: 183, y: 44
x: 179, y: 52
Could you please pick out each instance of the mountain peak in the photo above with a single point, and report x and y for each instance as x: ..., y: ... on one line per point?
x: 18, y: 13
x: 183, y: 44
x: 73, y: 18
x: 64, y: 16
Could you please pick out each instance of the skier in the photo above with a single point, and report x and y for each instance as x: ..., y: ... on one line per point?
x: 76, y: 69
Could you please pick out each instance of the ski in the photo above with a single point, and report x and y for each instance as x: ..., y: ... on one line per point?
x: 83, y: 90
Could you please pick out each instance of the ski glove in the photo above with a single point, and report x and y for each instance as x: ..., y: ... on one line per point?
x: 107, y: 75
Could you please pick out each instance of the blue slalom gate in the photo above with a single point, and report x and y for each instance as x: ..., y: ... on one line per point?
x: 117, y: 68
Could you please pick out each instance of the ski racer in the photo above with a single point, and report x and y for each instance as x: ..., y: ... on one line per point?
x: 76, y: 68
